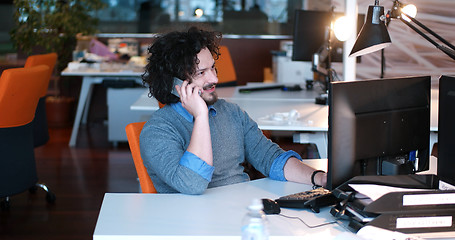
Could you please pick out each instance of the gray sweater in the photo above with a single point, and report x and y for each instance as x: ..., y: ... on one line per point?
x: 235, y: 138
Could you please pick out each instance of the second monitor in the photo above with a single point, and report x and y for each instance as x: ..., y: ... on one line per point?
x: 378, y: 127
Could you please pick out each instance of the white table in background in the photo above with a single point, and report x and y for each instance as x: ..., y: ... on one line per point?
x: 89, y: 78
x: 261, y: 106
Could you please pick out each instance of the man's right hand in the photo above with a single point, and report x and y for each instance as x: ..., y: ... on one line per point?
x: 191, y: 99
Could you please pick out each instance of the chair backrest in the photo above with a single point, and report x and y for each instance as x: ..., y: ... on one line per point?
x: 19, y: 94
x: 49, y: 59
x: 133, y: 130
x: 40, y: 126
x: 225, y: 67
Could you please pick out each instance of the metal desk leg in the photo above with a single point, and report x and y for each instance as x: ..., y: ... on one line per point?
x: 87, y: 84
x: 318, y: 138
x: 87, y: 105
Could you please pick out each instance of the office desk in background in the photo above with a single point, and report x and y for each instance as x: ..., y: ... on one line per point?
x: 89, y: 78
x: 313, y: 118
x: 265, y: 107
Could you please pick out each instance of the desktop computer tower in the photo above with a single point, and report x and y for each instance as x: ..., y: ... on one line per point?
x: 446, y: 129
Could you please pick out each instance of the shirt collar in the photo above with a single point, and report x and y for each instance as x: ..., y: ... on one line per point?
x: 184, y: 113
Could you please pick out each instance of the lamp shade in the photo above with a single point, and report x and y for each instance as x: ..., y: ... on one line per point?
x: 373, y: 36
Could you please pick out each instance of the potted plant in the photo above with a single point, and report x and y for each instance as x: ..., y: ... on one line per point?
x: 52, y: 26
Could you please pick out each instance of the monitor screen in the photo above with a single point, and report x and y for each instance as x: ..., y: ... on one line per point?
x: 446, y: 129
x: 310, y: 31
x: 378, y: 127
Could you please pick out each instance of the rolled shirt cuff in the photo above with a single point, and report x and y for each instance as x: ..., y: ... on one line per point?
x: 197, y: 165
x: 277, y: 169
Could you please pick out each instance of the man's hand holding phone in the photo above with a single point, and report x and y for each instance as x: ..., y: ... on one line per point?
x: 190, y: 98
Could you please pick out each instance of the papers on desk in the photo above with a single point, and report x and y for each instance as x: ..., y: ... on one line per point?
x: 374, y: 191
x: 282, y: 117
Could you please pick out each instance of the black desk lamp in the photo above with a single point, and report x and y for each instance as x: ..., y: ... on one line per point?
x: 374, y: 35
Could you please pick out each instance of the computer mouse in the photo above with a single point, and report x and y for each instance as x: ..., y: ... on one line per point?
x: 270, y: 206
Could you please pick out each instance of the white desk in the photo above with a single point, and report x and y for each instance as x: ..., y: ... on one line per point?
x: 90, y: 77
x: 216, y: 214
x: 261, y: 105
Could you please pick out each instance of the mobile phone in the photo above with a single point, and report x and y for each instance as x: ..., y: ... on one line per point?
x: 177, y: 81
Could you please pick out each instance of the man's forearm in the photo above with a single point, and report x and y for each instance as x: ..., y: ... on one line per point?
x: 201, y: 142
x: 297, y: 171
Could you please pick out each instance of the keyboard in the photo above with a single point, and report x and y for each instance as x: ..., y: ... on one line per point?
x: 313, y: 199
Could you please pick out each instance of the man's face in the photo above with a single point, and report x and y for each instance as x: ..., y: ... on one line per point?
x: 206, y: 76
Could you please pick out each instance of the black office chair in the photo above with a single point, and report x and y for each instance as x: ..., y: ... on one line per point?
x: 20, y: 90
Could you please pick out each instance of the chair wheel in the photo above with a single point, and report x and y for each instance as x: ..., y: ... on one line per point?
x: 50, y: 197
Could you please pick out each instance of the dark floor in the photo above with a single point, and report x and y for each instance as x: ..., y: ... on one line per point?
x: 79, y: 177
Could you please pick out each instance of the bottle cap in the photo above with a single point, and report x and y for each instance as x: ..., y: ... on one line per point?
x: 256, y: 204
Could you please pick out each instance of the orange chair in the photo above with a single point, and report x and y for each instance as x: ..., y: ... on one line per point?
x: 225, y: 67
x: 133, y: 130
x: 19, y: 96
x: 40, y: 128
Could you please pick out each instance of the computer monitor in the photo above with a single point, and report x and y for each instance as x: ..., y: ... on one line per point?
x: 310, y: 31
x: 378, y: 127
x: 446, y: 129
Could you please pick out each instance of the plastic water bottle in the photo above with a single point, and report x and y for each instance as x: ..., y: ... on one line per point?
x: 254, y: 224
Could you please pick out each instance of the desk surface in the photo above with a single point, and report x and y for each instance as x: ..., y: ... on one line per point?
x: 217, y: 214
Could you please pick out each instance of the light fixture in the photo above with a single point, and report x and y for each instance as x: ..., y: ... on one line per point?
x: 410, y: 10
x: 198, y: 12
x: 342, y: 28
x: 373, y: 36
x: 370, y: 40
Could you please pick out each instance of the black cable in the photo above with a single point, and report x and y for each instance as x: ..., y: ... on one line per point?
x: 315, y: 226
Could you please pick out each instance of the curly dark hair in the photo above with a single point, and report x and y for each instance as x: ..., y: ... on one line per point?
x: 174, y: 54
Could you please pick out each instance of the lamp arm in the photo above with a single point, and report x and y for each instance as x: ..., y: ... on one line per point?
x: 430, y: 31
x: 446, y: 50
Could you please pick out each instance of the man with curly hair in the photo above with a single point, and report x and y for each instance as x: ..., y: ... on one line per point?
x: 197, y: 141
